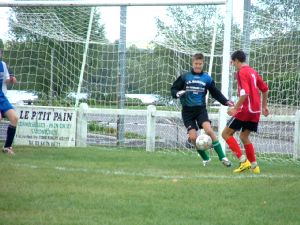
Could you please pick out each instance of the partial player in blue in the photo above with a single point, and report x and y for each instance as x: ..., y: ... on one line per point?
x: 6, y: 108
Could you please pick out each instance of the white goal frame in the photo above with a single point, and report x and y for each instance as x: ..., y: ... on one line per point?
x: 91, y: 3
x: 151, y: 113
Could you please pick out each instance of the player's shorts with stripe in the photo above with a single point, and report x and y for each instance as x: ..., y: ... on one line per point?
x: 238, y: 125
x: 5, y: 104
x: 194, y: 116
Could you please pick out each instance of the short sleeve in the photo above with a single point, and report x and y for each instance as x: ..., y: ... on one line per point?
x: 6, y: 73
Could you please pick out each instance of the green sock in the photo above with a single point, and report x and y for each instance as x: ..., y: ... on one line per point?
x: 218, y: 148
x: 204, y: 154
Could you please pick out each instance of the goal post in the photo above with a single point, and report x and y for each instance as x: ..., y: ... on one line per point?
x: 63, y: 55
x: 225, y: 69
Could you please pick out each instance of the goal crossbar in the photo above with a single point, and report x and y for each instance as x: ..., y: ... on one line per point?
x: 89, y: 3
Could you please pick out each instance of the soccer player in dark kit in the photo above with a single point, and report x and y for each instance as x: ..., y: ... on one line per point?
x: 191, y: 88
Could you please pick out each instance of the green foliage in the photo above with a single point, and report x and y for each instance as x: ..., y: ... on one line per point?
x: 33, y: 55
x: 283, y: 15
x: 41, y: 54
x: 281, y: 68
x: 192, y: 26
x: 107, y: 130
x: 74, y: 19
x: 1, y: 44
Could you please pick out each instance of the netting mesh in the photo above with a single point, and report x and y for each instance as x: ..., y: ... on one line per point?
x: 46, y: 46
x: 45, y: 50
x: 273, y: 48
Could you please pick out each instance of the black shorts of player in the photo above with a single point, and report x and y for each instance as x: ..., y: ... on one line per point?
x: 238, y: 125
x: 194, y: 116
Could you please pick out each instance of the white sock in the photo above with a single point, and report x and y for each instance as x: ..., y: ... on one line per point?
x: 253, y: 165
x: 243, y: 159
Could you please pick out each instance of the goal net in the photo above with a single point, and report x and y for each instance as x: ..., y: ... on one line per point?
x: 273, y: 50
x: 45, y: 49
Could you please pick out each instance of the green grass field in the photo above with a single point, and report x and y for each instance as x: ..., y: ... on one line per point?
x: 127, y: 187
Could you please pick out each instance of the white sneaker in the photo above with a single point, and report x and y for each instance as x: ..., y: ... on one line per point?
x: 206, y: 162
x: 225, y: 161
x: 8, y: 150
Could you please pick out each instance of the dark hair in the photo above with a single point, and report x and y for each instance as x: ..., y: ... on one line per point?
x: 239, y: 55
x: 198, y: 56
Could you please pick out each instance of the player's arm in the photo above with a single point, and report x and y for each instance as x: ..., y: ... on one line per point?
x: 177, y: 89
x: 217, y: 94
x: 244, y: 92
x: 263, y: 87
x: 10, y: 77
x: 233, y: 110
x: 265, y: 109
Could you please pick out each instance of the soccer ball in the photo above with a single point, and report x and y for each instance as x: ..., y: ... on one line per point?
x: 203, y: 142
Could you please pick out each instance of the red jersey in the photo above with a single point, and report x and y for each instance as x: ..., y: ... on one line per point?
x: 250, y: 83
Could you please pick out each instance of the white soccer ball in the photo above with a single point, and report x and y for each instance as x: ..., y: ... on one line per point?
x: 203, y: 142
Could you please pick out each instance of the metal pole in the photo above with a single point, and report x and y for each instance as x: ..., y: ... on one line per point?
x: 212, y: 51
x: 122, y: 74
x: 84, y: 55
x: 225, y: 69
x: 296, y: 153
x: 51, y: 78
x: 246, y: 29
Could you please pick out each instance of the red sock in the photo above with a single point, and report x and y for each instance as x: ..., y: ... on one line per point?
x: 234, y: 146
x: 250, y: 152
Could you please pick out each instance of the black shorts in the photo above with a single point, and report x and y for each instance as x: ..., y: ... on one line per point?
x: 193, y: 117
x: 238, y: 125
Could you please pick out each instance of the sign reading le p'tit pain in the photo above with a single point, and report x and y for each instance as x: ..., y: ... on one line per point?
x: 44, y: 126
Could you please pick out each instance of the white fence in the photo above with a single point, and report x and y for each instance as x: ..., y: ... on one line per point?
x: 280, y: 134
x: 58, y: 127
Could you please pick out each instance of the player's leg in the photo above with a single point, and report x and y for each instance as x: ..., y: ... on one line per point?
x: 188, y: 117
x: 11, y: 130
x: 204, y: 154
x: 249, y: 148
x: 232, y: 126
x: 8, y: 110
x: 206, y: 125
x: 204, y: 122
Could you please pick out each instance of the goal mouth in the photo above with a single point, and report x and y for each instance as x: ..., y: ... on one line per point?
x: 53, y: 56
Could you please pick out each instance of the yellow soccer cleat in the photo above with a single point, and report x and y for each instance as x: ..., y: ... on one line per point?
x: 243, y: 166
x: 255, y: 170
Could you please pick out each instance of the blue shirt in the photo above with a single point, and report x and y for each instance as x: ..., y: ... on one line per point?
x: 196, y: 86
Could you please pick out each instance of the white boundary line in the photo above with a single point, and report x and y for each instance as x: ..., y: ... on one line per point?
x: 120, y: 172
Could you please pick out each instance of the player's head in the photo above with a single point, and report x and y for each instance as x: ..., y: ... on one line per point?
x: 198, y: 62
x: 238, y: 58
x: 1, y: 53
x: 239, y: 55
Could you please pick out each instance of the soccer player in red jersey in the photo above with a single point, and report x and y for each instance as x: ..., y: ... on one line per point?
x: 246, y: 112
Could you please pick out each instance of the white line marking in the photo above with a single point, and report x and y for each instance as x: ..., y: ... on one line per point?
x: 119, y: 172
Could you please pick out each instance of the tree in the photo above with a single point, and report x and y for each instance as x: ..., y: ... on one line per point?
x: 191, y: 27
x: 271, y: 17
x: 51, y: 38
x: 72, y: 19
x: 1, y: 44
x: 275, y: 47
